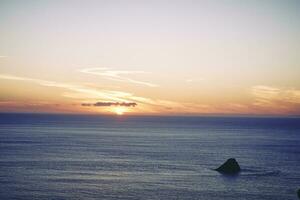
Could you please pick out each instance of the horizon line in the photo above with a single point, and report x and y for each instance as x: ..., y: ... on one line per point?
x: 157, y: 115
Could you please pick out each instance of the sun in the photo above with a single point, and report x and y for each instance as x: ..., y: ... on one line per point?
x: 119, y: 111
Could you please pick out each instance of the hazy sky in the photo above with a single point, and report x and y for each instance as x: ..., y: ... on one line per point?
x: 150, y: 57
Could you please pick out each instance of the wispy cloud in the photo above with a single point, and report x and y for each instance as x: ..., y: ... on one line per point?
x: 267, y: 94
x: 88, y: 94
x: 279, y: 99
x: 117, y: 75
x: 266, y: 100
x: 3, y: 56
x: 78, y: 91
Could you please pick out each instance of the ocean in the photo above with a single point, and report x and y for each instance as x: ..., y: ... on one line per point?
x: 48, y: 156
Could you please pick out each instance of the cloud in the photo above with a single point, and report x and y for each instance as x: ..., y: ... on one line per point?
x: 266, y: 100
x: 3, y: 56
x: 276, y: 98
x: 117, y: 75
x: 267, y: 94
x: 77, y: 91
x: 107, y: 104
x: 88, y: 93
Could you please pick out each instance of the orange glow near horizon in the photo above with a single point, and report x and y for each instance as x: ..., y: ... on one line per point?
x: 119, y: 110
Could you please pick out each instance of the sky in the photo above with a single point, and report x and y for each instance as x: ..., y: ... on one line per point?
x: 187, y: 57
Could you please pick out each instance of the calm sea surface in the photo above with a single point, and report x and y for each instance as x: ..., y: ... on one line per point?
x: 92, y: 157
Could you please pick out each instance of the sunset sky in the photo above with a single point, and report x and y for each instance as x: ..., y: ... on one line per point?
x: 150, y: 57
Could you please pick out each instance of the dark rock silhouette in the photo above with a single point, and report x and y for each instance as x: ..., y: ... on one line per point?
x: 231, y: 166
x: 298, y: 192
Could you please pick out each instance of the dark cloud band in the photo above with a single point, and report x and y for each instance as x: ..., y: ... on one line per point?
x: 107, y: 104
